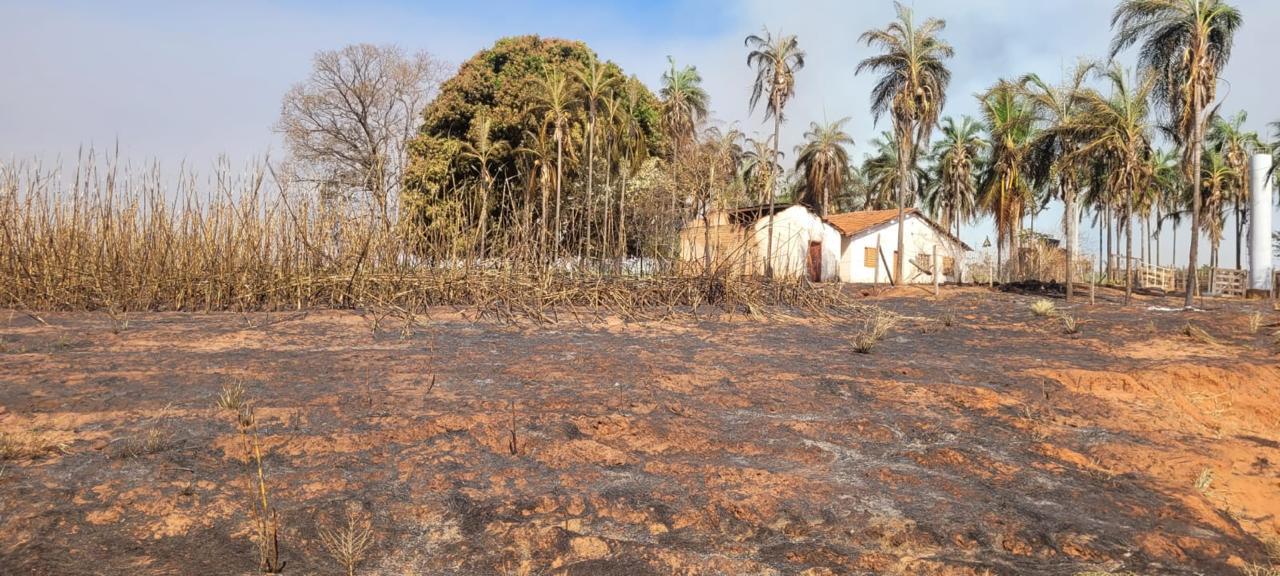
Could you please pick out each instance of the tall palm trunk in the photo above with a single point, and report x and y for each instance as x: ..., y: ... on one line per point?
x: 559, y: 178
x: 1128, y: 250
x: 1159, y: 229
x: 591, y: 170
x: 606, y: 226
x: 542, y: 235
x: 1197, y: 134
x: 1239, y: 233
x: 1111, y: 247
x: 1070, y: 219
x: 622, y: 212
x: 773, y: 180
x: 482, y: 229
x: 904, y: 180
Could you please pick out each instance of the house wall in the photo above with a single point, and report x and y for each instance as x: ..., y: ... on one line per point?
x: 743, y: 249
x: 793, y: 230
x: 920, y: 239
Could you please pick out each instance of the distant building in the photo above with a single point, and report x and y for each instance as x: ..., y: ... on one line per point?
x: 850, y: 247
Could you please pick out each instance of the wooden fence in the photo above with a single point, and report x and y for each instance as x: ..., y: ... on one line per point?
x: 1228, y: 282
x: 1158, y: 278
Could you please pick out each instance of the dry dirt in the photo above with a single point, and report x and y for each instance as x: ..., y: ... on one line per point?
x: 997, y: 444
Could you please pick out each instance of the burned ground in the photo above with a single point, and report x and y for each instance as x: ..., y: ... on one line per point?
x: 977, y: 438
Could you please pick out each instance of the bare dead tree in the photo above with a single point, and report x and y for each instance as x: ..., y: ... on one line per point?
x: 347, y: 125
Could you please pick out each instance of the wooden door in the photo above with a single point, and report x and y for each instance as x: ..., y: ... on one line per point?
x: 815, y: 261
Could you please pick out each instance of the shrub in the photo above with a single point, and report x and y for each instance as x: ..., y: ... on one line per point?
x: 1069, y: 324
x: 28, y: 444
x: 348, y: 543
x: 1255, y: 322
x: 875, y: 326
x: 1043, y: 308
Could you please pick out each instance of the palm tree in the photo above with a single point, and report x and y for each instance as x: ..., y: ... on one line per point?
x: 883, y: 174
x: 761, y: 162
x: 776, y: 62
x: 1236, y: 145
x: 684, y: 107
x: 1004, y: 185
x: 824, y: 162
x: 1116, y: 131
x: 1185, y: 44
x: 1275, y: 154
x: 595, y: 80
x: 912, y: 89
x: 1056, y: 107
x: 952, y: 197
x: 537, y: 148
x: 724, y: 153
x: 1169, y: 186
x: 482, y: 149
x: 555, y: 99
x: 1217, y: 177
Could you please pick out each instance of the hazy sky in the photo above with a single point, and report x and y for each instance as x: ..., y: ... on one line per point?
x: 186, y: 81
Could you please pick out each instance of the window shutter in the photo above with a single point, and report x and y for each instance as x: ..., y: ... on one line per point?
x: 869, y: 257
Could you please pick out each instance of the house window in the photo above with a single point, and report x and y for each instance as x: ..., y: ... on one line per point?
x: 869, y: 256
x: 949, y: 266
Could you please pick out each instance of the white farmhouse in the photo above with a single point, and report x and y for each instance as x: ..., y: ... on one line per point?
x: 851, y: 247
x: 869, y: 242
x: 803, y: 244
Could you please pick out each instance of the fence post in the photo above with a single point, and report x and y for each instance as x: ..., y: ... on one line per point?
x: 877, y: 278
x: 937, y: 270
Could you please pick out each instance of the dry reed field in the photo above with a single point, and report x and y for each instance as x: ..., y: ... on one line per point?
x: 103, y: 237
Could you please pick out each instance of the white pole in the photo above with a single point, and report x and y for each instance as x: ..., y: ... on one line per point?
x: 1260, y: 188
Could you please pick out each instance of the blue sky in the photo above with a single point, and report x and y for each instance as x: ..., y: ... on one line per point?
x: 187, y: 81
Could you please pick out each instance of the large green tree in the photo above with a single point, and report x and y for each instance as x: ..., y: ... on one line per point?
x: 911, y: 89
x: 1185, y: 44
x: 527, y: 87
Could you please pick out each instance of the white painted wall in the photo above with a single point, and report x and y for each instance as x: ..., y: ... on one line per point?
x: 1260, y: 264
x: 920, y: 239
x: 793, y: 230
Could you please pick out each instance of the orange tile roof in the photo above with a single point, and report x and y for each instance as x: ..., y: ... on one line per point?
x: 851, y: 223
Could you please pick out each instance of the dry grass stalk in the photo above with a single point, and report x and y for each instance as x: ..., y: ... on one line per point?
x: 231, y: 398
x: 348, y: 543
x: 512, y: 445
x: 111, y: 240
x: 1255, y: 322
x: 1260, y: 570
x: 265, y: 519
x: 1043, y: 308
x: 1069, y: 324
x: 28, y: 444
x: 153, y: 441
x: 1204, y: 481
x: 1199, y: 334
x: 875, y: 326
